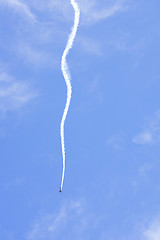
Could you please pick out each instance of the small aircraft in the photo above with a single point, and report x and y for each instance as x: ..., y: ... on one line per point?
x: 60, y: 189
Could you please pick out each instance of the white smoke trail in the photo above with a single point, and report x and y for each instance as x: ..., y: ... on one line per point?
x: 67, y: 77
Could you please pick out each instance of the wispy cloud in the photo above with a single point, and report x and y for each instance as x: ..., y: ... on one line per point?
x: 31, y: 38
x: 55, y: 9
x: 116, y: 141
x: 151, y: 133
x: 20, y: 7
x: 14, y: 94
x: 54, y: 225
x: 89, y: 45
x: 72, y: 215
x: 47, y: 226
x: 34, y: 55
x: 93, y: 11
x: 153, y: 231
x: 31, y: 43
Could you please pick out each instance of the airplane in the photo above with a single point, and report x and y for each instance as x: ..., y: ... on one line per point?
x: 60, y: 189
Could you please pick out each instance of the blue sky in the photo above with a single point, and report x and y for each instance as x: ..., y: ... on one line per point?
x: 112, y: 132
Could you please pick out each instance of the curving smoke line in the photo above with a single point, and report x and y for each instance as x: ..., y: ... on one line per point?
x: 67, y: 77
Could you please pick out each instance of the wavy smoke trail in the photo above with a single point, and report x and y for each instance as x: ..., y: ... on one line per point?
x: 67, y: 77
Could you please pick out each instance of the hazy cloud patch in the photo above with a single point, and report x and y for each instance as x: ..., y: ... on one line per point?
x: 143, y: 138
x: 151, y: 133
x: 72, y: 215
x: 116, y: 141
x: 35, y: 56
x: 14, y: 94
x: 153, y: 231
x: 53, y: 225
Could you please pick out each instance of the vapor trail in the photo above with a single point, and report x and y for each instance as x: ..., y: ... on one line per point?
x: 67, y: 77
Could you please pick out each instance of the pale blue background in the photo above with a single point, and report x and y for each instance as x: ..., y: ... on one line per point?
x: 112, y: 132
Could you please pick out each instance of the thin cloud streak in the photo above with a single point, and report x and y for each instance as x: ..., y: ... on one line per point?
x: 20, y: 7
x: 91, y: 13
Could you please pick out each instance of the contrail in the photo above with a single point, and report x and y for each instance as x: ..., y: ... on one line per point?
x: 67, y: 77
